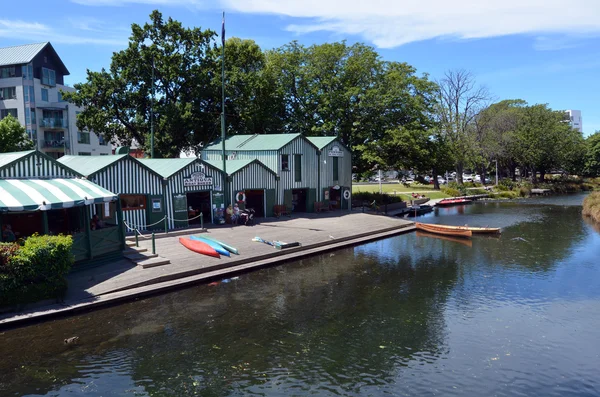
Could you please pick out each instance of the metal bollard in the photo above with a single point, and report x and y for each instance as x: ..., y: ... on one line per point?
x: 201, y: 221
x: 137, y: 241
x: 166, y: 227
x: 153, y: 244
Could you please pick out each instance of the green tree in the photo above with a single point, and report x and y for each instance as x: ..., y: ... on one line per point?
x: 592, y: 155
x: 117, y: 102
x: 13, y: 137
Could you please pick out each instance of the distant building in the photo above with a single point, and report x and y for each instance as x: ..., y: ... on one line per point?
x: 575, y: 119
x: 31, y: 80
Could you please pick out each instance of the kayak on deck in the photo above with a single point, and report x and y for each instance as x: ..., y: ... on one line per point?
x: 222, y: 244
x: 453, y: 201
x: 216, y: 246
x: 440, y: 230
x: 199, y: 247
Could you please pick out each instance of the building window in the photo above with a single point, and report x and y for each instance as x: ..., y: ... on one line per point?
x: 103, y: 154
x: 83, y: 137
x: 7, y: 72
x: 60, y: 97
x: 101, y: 140
x: 84, y: 153
x: 27, y: 116
x: 5, y: 112
x: 298, y: 167
x: 44, y: 94
x: 48, y: 77
x: 285, y: 162
x: 130, y: 202
x: 8, y: 93
x: 335, y: 169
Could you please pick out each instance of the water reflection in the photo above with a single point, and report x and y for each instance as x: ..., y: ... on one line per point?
x: 407, y: 315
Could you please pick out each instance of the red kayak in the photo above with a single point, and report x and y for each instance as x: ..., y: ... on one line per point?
x: 199, y: 247
x: 454, y: 201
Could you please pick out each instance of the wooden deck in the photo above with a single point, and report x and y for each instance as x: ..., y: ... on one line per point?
x: 123, y: 280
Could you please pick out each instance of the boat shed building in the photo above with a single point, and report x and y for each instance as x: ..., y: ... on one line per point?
x: 335, y: 172
x: 251, y: 184
x: 40, y: 195
x: 139, y: 188
x: 191, y: 187
x: 291, y: 157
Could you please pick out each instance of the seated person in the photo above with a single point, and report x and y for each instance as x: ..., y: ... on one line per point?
x: 96, y: 223
x: 8, y: 235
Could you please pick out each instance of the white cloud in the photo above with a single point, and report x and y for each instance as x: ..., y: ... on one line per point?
x: 390, y: 24
x: 35, y: 31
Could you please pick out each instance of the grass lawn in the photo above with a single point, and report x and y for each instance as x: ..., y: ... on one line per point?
x: 399, y: 189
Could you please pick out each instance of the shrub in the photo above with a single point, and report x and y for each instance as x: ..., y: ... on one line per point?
x: 36, y: 270
x: 524, y: 191
x: 462, y: 189
x: 380, y: 198
x: 508, y: 195
x: 451, y: 191
x: 591, y: 206
x: 506, y: 184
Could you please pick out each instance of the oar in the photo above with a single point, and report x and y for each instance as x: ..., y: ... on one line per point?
x: 260, y: 240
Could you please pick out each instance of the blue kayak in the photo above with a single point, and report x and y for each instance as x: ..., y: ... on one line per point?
x: 216, y: 246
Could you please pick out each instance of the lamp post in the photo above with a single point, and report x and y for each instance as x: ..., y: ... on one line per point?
x: 380, y: 191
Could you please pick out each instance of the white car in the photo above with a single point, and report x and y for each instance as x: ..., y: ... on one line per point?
x: 441, y: 181
x: 477, y: 178
x: 408, y: 180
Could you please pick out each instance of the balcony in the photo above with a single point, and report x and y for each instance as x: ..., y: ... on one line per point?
x: 55, y: 144
x: 53, y: 123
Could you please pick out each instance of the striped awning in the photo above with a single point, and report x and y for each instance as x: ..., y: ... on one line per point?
x: 47, y: 194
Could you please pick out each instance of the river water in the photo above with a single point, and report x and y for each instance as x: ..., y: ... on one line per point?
x: 410, y: 315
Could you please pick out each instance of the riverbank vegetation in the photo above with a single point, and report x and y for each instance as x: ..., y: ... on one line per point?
x: 591, y: 206
x: 35, y: 270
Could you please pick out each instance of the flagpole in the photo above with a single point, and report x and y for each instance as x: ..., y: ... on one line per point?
x: 152, y: 114
x: 225, y: 187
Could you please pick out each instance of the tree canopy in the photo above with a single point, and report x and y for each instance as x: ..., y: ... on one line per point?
x: 13, y: 137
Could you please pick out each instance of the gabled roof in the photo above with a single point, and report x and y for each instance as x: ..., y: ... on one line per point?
x: 166, y: 167
x: 321, y: 141
x: 22, y: 54
x: 9, y: 158
x: 234, y: 166
x: 254, y: 142
x: 88, y: 165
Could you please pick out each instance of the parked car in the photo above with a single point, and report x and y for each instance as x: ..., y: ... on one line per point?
x: 441, y: 180
x: 477, y: 178
x: 488, y: 181
x: 408, y: 180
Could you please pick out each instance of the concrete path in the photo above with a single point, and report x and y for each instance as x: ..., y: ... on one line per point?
x: 123, y: 280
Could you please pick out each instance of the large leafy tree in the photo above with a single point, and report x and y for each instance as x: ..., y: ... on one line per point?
x: 117, y: 101
x: 13, y: 137
x: 592, y: 156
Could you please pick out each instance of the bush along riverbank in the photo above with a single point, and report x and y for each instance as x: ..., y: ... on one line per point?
x: 34, y: 270
x: 591, y: 206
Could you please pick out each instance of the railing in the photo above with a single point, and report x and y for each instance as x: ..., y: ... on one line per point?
x: 53, y: 123
x: 59, y: 143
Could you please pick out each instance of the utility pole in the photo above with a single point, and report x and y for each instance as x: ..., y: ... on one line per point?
x: 496, y: 172
x: 380, y: 190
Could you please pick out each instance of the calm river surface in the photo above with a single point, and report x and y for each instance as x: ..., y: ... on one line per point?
x: 410, y: 315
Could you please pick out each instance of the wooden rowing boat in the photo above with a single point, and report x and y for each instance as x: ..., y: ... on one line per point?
x: 441, y: 230
x: 199, y: 247
x: 474, y: 230
x: 463, y: 241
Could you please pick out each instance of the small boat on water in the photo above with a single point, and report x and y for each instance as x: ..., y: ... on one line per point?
x: 441, y: 230
x: 453, y: 201
x: 474, y: 230
x: 228, y: 247
x: 463, y: 241
x: 216, y: 246
x: 199, y: 247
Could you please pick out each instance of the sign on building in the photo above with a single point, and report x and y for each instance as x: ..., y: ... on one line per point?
x: 198, y: 179
x: 335, y: 152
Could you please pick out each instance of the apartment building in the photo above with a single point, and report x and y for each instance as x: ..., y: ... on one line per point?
x: 31, y: 81
x: 575, y: 119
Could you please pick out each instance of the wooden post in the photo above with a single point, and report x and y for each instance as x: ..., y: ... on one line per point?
x: 120, y: 222
x: 88, y: 230
x: 45, y: 222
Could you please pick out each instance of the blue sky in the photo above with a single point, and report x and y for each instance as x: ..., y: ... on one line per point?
x: 542, y: 51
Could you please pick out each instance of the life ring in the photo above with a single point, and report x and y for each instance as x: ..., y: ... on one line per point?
x: 240, y: 197
x: 347, y: 194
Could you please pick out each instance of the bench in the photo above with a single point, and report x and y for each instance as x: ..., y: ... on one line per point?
x: 280, y: 210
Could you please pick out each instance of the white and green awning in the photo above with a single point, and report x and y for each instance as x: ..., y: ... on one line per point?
x: 47, y: 194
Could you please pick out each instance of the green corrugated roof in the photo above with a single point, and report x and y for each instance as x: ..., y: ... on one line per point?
x: 7, y: 158
x: 88, y: 165
x: 254, y: 142
x: 166, y: 167
x: 321, y: 141
x: 233, y: 166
